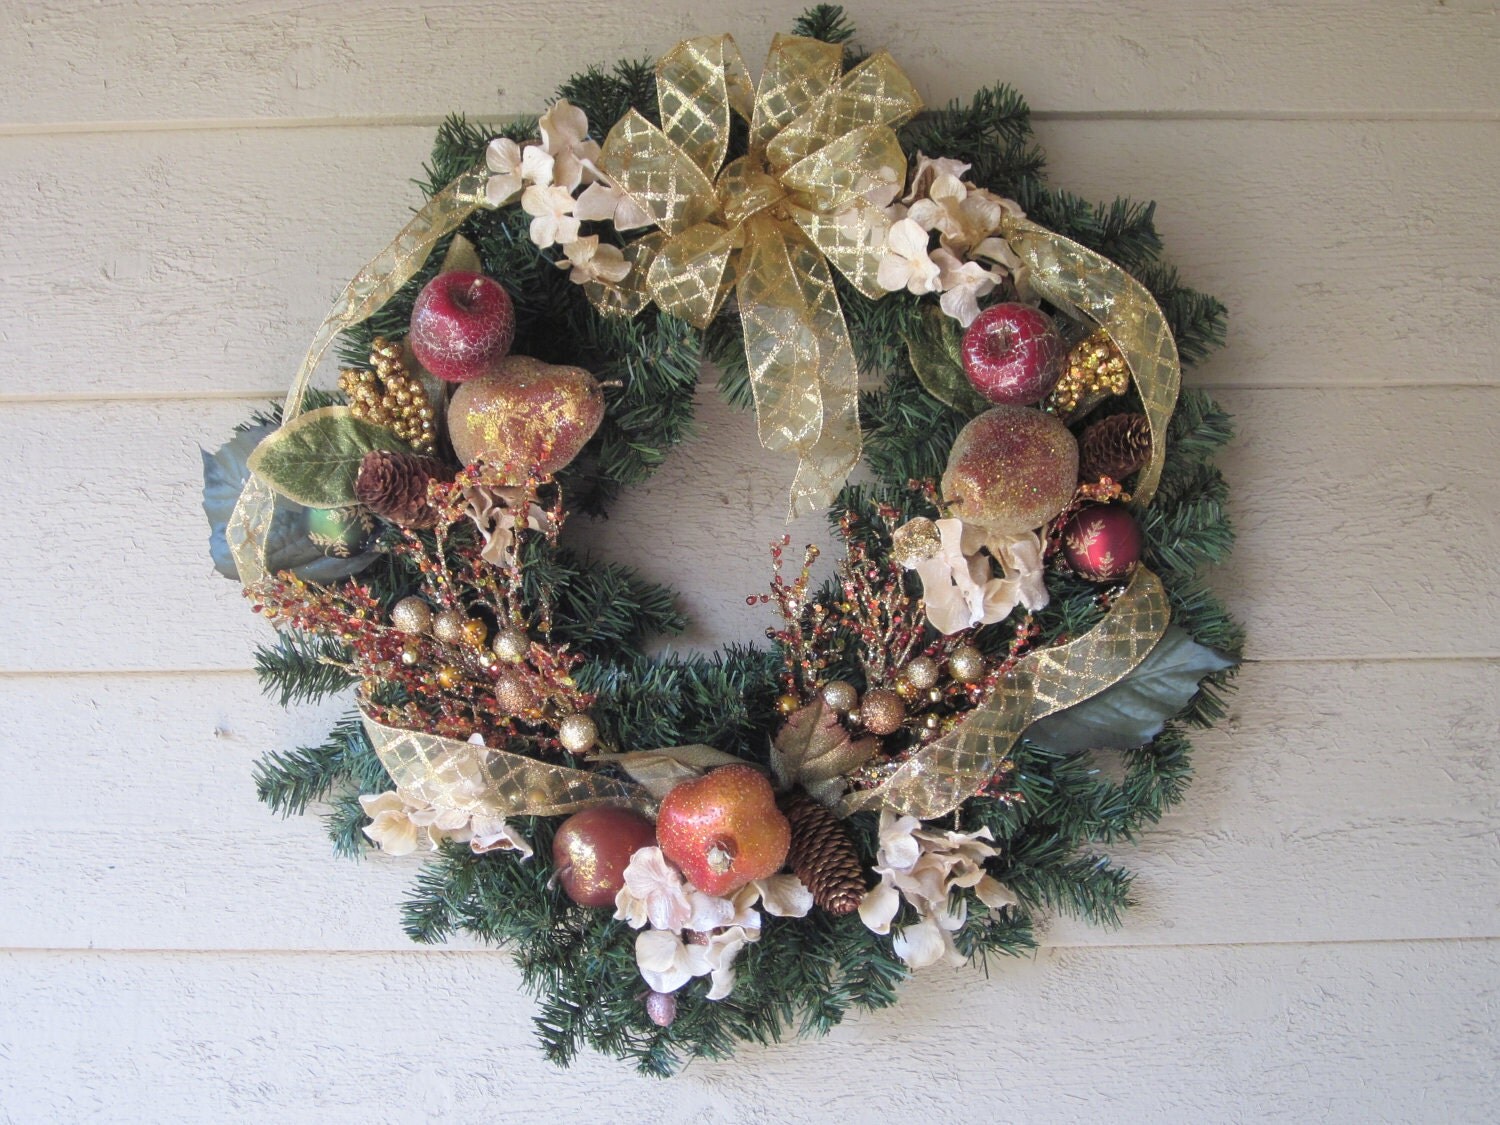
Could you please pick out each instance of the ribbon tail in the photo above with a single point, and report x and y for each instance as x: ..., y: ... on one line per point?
x: 485, y: 781
x: 250, y: 523
x: 801, y: 362
x: 1073, y: 276
x: 947, y: 772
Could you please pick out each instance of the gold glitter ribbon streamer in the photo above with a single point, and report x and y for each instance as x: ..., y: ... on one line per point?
x: 945, y: 773
x: 1078, y: 280
x: 769, y: 224
x: 250, y: 522
x: 484, y: 781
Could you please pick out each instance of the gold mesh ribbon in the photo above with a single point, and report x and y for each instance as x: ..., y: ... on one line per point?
x: 484, y: 781
x: 1078, y: 280
x: 945, y: 773
x: 769, y: 224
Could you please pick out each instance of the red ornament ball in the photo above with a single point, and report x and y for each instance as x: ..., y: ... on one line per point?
x: 1012, y: 354
x: 591, y: 851
x: 461, y: 324
x: 1102, y: 543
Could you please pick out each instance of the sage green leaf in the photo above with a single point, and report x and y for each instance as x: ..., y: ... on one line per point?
x: 935, y: 348
x: 660, y: 771
x: 1132, y: 712
x: 461, y: 255
x: 313, y: 459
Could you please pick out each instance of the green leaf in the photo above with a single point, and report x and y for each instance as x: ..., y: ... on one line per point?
x: 314, y: 459
x: 1133, y: 711
x: 935, y: 348
x: 461, y: 255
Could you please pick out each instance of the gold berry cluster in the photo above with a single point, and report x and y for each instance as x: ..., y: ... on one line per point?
x: 391, y: 396
x: 1094, y: 367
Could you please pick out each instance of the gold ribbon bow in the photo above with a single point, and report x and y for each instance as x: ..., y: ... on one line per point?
x: 768, y: 224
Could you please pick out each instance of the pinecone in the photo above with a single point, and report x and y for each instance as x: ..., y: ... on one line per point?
x: 1114, y: 447
x: 823, y: 855
x: 394, y: 487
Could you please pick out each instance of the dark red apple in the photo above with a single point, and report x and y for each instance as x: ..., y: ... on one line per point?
x: 593, y: 847
x: 1012, y: 354
x: 723, y: 830
x: 462, y: 323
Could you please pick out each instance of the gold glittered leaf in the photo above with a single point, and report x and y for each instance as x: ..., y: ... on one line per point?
x: 813, y: 746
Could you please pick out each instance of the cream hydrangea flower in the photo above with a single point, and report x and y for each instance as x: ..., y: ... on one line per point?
x: 400, y: 822
x: 957, y: 589
x: 905, y: 264
x: 603, y: 202
x: 1020, y: 556
x: 654, y: 892
x: 928, y: 169
x: 925, y: 867
x: 551, y: 209
x: 565, y: 137
x: 693, y: 933
x: 503, y: 159
x: 962, y: 283
x: 587, y: 260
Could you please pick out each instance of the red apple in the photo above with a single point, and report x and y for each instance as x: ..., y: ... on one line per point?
x: 593, y: 847
x: 461, y: 324
x: 723, y: 830
x: 1012, y: 354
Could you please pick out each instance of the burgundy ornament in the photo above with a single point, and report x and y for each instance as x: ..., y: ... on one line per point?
x: 1102, y: 543
x: 461, y: 324
x: 1012, y: 354
x: 593, y: 847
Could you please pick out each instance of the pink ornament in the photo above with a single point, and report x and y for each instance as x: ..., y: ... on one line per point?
x: 462, y: 324
x: 1102, y: 543
x: 1012, y: 354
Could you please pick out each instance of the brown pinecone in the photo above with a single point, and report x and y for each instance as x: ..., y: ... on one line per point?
x: 1114, y: 447
x: 394, y: 487
x: 823, y: 855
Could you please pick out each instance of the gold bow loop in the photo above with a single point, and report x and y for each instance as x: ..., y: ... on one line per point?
x: 768, y: 224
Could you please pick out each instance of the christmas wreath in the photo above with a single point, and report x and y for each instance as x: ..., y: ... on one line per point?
x: 686, y: 851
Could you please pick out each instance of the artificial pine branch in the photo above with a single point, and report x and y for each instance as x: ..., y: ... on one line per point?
x: 301, y: 668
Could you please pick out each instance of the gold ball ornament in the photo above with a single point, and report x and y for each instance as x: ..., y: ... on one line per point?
x: 475, y: 632
x: 524, y: 416
x: 412, y: 615
x: 511, y: 645
x: 448, y: 626
x: 882, y: 711
x: 906, y: 689
x: 448, y: 676
x: 922, y: 672
x: 514, y: 694
x: 1011, y: 470
x: 839, y: 695
x: 967, y: 664
x: 411, y: 652
x: 786, y: 704
x: 577, y: 733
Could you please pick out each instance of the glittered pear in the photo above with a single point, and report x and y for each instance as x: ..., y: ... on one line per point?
x: 1010, y: 470
x: 525, y: 416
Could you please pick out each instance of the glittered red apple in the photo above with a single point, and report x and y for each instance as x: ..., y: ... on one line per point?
x: 592, y: 849
x: 1012, y: 354
x: 461, y: 325
x: 723, y: 830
